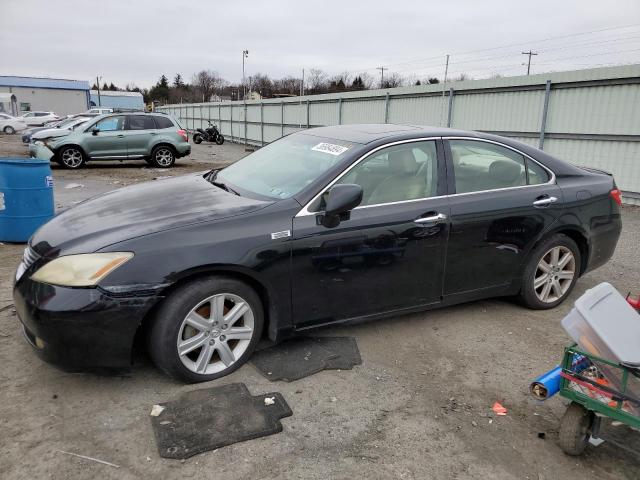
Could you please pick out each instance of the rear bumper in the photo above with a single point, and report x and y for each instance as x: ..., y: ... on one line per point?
x: 603, y: 242
x: 79, y: 329
x: 183, y: 149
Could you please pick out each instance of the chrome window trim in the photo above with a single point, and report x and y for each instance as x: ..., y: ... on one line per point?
x: 305, y: 210
x: 552, y: 181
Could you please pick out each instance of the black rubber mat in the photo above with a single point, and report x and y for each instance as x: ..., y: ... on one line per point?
x: 211, y: 418
x: 304, y: 356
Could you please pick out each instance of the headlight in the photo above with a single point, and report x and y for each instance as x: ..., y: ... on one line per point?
x: 84, y: 270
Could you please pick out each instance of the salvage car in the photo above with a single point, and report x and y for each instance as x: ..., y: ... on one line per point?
x: 65, y: 128
x: 157, y: 138
x: 323, y: 226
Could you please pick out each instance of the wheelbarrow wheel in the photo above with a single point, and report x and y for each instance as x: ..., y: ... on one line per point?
x: 575, y: 429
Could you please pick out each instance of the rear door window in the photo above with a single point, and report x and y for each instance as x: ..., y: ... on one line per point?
x: 162, y: 122
x: 140, y: 122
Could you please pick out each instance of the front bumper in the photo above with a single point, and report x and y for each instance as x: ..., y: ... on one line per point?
x: 79, y: 328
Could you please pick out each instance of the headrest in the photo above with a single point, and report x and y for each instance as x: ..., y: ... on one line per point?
x: 403, y: 162
x: 505, y: 171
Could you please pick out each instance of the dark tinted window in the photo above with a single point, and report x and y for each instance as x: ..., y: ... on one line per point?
x: 162, y: 122
x: 141, y: 122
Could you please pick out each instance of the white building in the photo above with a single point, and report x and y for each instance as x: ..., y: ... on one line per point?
x: 61, y: 96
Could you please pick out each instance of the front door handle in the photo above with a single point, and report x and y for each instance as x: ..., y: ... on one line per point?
x: 438, y: 218
x: 121, y: 136
x: 544, y: 201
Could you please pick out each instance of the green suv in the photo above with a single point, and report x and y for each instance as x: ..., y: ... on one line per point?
x: 157, y: 138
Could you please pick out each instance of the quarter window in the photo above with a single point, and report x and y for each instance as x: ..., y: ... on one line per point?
x: 398, y: 173
x: 536, y: 174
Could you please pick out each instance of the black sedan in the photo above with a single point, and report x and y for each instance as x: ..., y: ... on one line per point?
x: 323, y: 226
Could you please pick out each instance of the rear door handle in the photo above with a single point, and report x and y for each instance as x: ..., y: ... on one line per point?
x: 121, y: 136
x: 438, y: 218
x: 544, y: 201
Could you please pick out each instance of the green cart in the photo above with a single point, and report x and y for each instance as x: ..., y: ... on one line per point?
x: 596, y: 388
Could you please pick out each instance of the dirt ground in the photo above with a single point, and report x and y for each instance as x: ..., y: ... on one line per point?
x: 419, y: 407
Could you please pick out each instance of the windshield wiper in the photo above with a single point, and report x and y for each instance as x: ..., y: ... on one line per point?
x: 211, y: 177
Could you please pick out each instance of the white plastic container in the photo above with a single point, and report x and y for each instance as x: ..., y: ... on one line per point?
x: 604, y: 324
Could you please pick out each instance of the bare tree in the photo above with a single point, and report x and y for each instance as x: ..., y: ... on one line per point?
x: 393, y: 80
x: 206, y: 83
x: 317, y: 81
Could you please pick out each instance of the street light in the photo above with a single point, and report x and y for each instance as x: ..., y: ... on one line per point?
x: 245, y: 54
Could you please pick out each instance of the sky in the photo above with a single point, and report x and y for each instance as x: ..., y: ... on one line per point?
x: 135, y: 41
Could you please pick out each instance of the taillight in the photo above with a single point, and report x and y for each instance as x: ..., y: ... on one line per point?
x: 183, y: 134
x: 616, y: 195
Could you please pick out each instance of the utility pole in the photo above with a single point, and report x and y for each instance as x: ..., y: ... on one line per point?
x: 446, y: 73
x: 245, y: 54
x: 98, y: 85
x: 530, y: 53
x: 382, y: 69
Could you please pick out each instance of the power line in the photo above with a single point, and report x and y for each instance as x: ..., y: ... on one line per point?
x: 591, y: 32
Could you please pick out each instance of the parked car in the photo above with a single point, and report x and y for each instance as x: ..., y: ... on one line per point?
x: 99, y: 110
x: 38, y: 118
x: 158, y: 139
x: 11, y: 125
x: 65, y: 128
x: 322, y: 226
x: 27, y: 134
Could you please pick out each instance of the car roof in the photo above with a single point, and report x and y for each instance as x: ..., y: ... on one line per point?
x: 389, y: 132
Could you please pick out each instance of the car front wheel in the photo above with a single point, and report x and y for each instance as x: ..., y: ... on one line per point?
x: 9, y: 130
x: 163, y: 157
x: 551, y: 273
x: 206, y: 329
x: 71, y: 157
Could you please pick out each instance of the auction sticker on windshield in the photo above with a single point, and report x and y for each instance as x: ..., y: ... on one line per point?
x: 330, y: 148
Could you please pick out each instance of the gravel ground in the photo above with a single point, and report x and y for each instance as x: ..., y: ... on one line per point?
x: 418, y: 407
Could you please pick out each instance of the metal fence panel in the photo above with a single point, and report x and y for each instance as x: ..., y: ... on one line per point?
x: 588, y: 117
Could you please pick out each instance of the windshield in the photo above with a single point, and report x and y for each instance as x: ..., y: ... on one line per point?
x: 283, y: 168
x: 65, y: 122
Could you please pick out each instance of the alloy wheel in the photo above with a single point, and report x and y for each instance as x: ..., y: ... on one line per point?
x: 164, y: 157
x: 554, y: 274
x: 215, y: 333
x: 72, y: 157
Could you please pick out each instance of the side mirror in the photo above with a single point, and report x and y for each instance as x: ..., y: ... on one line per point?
x: 340, y: 199
x: 94, y: 131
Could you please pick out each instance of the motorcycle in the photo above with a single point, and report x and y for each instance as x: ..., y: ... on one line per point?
x: 210, y: 134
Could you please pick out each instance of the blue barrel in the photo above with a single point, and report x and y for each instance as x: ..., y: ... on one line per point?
x: 26, y: 197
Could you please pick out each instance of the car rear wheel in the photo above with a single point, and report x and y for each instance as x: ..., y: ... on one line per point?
x: 206, y: 329
x: 9, y: 130
x: 163, y: 157
x: 551, y: 273
x: 71, y: 157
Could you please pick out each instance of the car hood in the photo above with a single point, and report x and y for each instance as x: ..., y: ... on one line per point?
x: 138, y: 210
x: 50, y: 133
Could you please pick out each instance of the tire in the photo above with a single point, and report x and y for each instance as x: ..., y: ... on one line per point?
x: 71, y: 157
x: 9, y: 130
x: 197, y: 138
x: 575, y: 429
x: 219, y: 139
x: 195, y: 301
x: 547, y: 281
x: 163, y: 156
